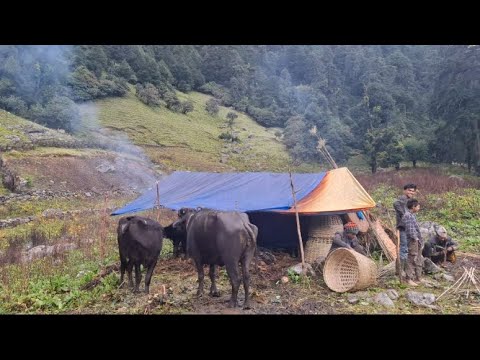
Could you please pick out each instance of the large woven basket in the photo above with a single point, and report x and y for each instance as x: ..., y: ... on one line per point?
x: 347, y: 270
x: 322, y: 226
x: 362, y: 224
x: 321, y: 230
x: 317, y: 248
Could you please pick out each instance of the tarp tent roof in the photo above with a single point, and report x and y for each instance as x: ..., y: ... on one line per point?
x: 326, y: 192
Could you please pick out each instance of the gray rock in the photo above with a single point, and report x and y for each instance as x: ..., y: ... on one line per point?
x: 420, y: 299
x: 297, y: 269
x: 449, y: 277
x: 352, y: 299
x: 392, y: 294
x: 383, y: 299
x: 438, y: 276
x: 105, y: 167
x: 362, y: 294
x: 427, y: 229
x: 65, y: 247
x: 430, y: 268
x: 36, y: 252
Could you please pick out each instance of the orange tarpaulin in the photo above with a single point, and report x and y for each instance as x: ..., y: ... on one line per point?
x: 338, y: 191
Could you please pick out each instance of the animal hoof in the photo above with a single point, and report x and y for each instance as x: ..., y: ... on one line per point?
x: 215, y: 293
x: 246, y: 307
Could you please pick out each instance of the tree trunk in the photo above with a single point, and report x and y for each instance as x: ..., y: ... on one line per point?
x: 469, y: 160
x: 414, y: 163
x: 374, y: 168
x: 397, y: 167
x: 476, y: 149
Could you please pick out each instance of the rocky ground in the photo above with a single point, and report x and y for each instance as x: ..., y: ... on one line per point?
x: 275, y: 290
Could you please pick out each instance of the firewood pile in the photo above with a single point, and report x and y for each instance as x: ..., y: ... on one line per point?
x: 466, y: 285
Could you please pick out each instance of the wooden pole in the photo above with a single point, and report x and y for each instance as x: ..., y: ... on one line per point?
x: 298, y: 222
x: 398, y: 262
x: 158, y: 203
x: 103, y: 230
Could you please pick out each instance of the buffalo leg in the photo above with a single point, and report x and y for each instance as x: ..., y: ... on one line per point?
x: 201, y: 276
x: 148, y: 276
x: 233, y: 274
x: 247, y: 259
x: 123, y: 265
x: 138, y: 277
x: 129, y: 273
x: 176, y: 249
x: 213, y: 286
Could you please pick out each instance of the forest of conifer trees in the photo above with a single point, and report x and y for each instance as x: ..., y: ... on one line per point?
x: 391, y: 103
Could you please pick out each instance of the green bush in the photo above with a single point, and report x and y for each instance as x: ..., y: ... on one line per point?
x: 228, y: 137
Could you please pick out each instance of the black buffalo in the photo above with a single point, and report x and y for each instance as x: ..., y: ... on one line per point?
x: 140, y: 242
x: 220, y: 238
x: 179, y: 239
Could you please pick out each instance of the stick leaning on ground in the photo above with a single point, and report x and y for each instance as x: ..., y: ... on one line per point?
x: 398, y: 262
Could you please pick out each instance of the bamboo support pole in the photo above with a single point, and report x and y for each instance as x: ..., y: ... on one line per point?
x: 300, y: 240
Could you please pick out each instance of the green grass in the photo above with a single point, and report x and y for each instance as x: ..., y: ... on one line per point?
x: 54, y: 152
x: 24, y: 208
x: 11, y: 126
x: 55, y: 287
x: 458, y: 212
x: 191, y: 141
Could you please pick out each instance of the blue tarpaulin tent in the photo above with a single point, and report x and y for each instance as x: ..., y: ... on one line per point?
x: 254, y: 191
x: 266, y: 197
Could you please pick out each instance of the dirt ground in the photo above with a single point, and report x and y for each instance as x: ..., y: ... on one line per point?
x: 92, y: 174
x: 174, y: 286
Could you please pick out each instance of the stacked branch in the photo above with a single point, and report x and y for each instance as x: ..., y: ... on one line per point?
x: 322, y: 148
x: 466, y: 284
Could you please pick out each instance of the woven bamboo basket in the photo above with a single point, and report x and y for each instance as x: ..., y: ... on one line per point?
x: 321, y: 230
x: 317, y: 248
x: 347, y: 270
x: 362, y: 224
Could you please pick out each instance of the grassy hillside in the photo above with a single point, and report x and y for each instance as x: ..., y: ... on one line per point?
x: 18, y: 133
x: 191, y: 141
x: 85, y: 280
x: 11, y: 129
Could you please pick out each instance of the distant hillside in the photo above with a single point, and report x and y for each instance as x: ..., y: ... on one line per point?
x: 188, y: 142
x: 38, y: 158
x: 123, y: 144
x: 18, y: 133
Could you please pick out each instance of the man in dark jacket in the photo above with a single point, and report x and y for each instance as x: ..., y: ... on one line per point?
x: 348, y: 239
x: 400, y: 206
x: 409, y: 222
x: 440, y: 247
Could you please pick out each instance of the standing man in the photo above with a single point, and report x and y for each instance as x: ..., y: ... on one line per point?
x: 414, y: 240
x: 400, y: 206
